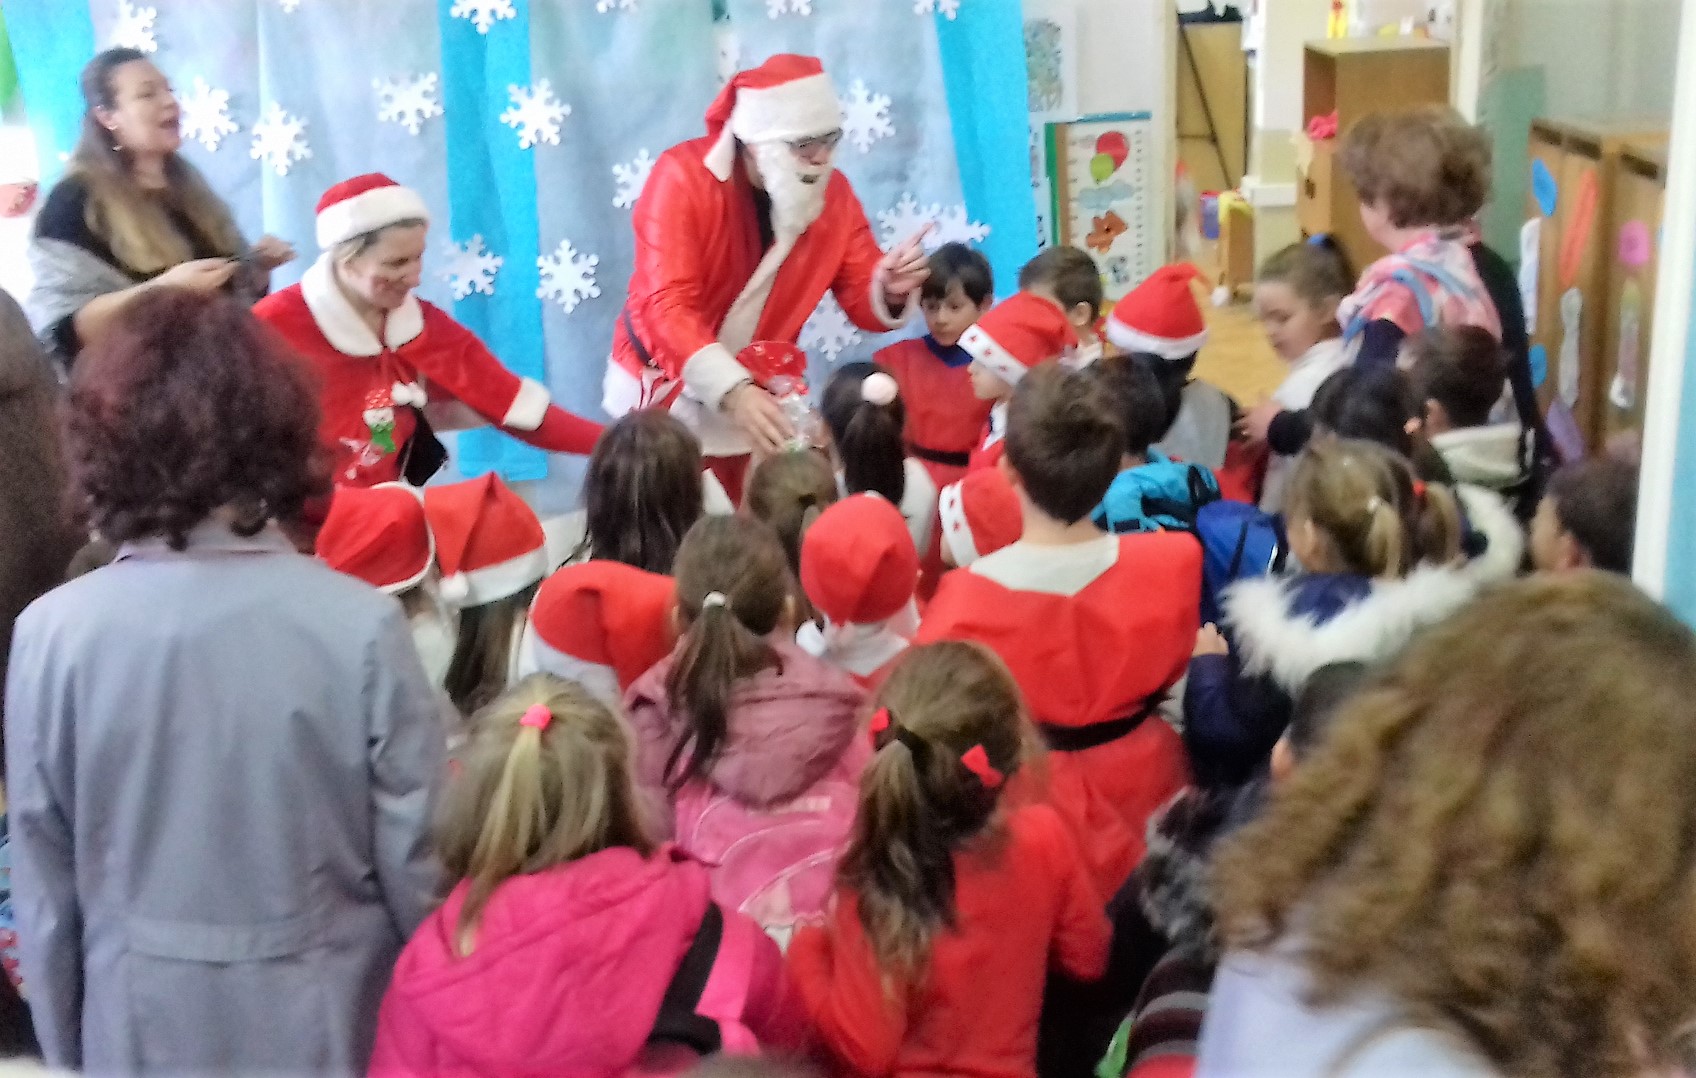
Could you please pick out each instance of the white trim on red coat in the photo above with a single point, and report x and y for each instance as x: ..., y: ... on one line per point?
x: 1050, y: 570
x: 997, y: 360
x: 529, y: 406
x: 341, y: 325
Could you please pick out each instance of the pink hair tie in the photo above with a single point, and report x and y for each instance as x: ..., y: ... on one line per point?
x: 537, y: 717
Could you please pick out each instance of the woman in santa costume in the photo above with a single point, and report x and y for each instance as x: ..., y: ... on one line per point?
x: 738, y: 237
x: 382, y: 353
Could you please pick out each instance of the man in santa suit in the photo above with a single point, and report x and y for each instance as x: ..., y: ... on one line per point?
x: 738, y: 236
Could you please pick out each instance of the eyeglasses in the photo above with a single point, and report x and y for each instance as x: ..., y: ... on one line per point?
x: 807, y: 147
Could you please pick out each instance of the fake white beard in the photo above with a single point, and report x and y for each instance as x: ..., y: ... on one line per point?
x: 796, y: 188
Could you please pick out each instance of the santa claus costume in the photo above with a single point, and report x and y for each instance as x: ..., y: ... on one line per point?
x: 945, y: 420
x: 602, y: 624
x: 1096, y: 634
x: 1017, y: 334
x: 721, y: 263
x: 860, y: 569
x: 375, y: 386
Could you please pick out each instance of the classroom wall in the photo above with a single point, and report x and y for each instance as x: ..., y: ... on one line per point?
x: 1603, y: 58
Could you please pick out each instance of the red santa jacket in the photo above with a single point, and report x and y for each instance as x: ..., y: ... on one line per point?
x: 944, y: 416
x: 703, y: 288
x: 1095, y: 635
x: 367, y: 384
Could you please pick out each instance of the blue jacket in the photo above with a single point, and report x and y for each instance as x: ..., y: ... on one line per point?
x: 1161, y: 495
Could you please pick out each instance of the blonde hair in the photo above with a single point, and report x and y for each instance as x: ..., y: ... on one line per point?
x: 789, y: 491
x: 1381, y: 521
x: 1499, y: 833
x: 528, y: 799
x: 919, y: 803
x: 136, y: 225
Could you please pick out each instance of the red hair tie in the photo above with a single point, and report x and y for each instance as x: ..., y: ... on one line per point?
x: 537, y: 718
x: 880, y: 723
x: 1419, y: 490
x: 977, y: 762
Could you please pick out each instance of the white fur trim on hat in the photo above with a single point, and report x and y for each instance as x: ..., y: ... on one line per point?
x: 367, y: 212
x: 495, y: 582
x: 429, y: 540
x: 956, y: 530
x: 797, y: 109
x: 529, y: 406
x: 987, y: 350
x: 1135, y: 340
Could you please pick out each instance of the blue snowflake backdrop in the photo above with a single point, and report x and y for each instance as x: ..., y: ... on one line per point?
x: 285, y: 97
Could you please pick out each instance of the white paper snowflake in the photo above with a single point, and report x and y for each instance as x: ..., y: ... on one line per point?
x: 829, y: 331
x: 631, y: 179
x: 953, y: 226
x: 535, y: 114
x: 470, y: 268
x: 950, y: 8
x: 729, y: 51
x: 568, y: 277
x: 483, y: 13
x: 279, y: 140
x: 206, y: 114
x: 289, y: 6
x: 133, y: 28
x: 604, y: 6
x: 906, y: 218
x: 774, y: 8
x: 865, y: 116
x: 408, y: 102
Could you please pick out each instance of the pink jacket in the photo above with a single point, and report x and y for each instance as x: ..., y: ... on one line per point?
x: 568, y: 973
x: 777, y: 806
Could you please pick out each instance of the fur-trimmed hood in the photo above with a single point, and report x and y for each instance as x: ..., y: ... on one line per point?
x: 1277, y: 626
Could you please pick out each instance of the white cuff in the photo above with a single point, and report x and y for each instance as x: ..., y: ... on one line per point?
x: 711, y: 373
x: 529, y: 406
x: 880, y: 303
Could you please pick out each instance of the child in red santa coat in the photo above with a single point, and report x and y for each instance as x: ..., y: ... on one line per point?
x: 860, y: 568
x: 1016, y: 335
x: 602, y: 624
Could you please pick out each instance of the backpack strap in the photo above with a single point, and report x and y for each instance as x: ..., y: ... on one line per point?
x: 678, y: 1021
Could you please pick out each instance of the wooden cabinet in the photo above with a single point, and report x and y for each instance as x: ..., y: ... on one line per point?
x: 1639, y: 187
x: 1576, y: 162
x: 1355, y: 77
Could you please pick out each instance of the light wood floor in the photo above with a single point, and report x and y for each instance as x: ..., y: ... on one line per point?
x: 1237, y: 357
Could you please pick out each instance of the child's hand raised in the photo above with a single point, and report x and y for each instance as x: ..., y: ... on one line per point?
x: 1210, y: 641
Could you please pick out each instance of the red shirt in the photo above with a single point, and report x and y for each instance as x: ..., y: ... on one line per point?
x: 943, y: 414
x: 1022, y: 904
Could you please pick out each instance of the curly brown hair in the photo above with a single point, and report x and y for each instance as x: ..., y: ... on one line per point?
x: 1499, y: 833
x: 188, y: 406
x: 1426, y: 166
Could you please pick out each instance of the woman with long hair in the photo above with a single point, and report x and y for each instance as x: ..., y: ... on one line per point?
x: 132, y: 214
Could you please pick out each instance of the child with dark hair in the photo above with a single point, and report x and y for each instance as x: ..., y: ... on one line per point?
x: 1069, y: 278
x: 1152, y: 492
x: 1588, y: 520
x: 1458, y: 374
x: 866, y: 415
x: 954, y: 900
x: 1095, y: 627
x: 748, y: 747
x: 944, y: 418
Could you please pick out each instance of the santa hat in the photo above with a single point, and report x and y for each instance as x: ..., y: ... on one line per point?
x: 488, y: 541
x: 858, y: 562
x: 603, y: 621
x: 365, y: 204
x: 980, y: 515
x: 1017, y: 334
x: 1160, y: 316
x: 378, y: 534
x: 787, y: 97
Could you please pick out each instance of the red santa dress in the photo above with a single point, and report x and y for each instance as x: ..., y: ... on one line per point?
x: 945, y: 419
x: 1095, y: 634
x: 367, y: 384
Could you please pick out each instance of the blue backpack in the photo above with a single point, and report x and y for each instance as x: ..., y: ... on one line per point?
x: 1238, y: 541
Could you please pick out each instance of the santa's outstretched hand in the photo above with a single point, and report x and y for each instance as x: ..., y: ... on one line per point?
x: 905, y: 268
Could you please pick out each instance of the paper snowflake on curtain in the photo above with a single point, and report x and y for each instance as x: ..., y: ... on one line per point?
x: 470, y: 268
x: 953, y: 226
x: 632, y: 177
x: 206, y: 114
x: 408, y: 102
x: 865, y: 116
x: 535, y: 114
x: 950, y: 8
x: 289, y: 6
x: 604, y: 6
x: 729, y: 51
x: 483, y: 13
x: 829, y: 331
x: 774, y: 8
x: 134, y: 27
x: 568, y: 277
x: 280, y: 140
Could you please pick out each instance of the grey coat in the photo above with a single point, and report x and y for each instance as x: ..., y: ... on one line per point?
x: 220, y: 765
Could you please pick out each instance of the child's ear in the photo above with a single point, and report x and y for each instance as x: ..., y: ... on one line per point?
x: 1008, y: 472
x: 983, y: 308
x: 1283, y: 760
x: 1080, y: 315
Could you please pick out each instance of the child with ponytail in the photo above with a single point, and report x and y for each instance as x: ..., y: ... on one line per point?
x: 867, y: 419
x: 1381, y: 558
x: 747, y: 746
x: 951, y: 905
x: 558, y: 947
